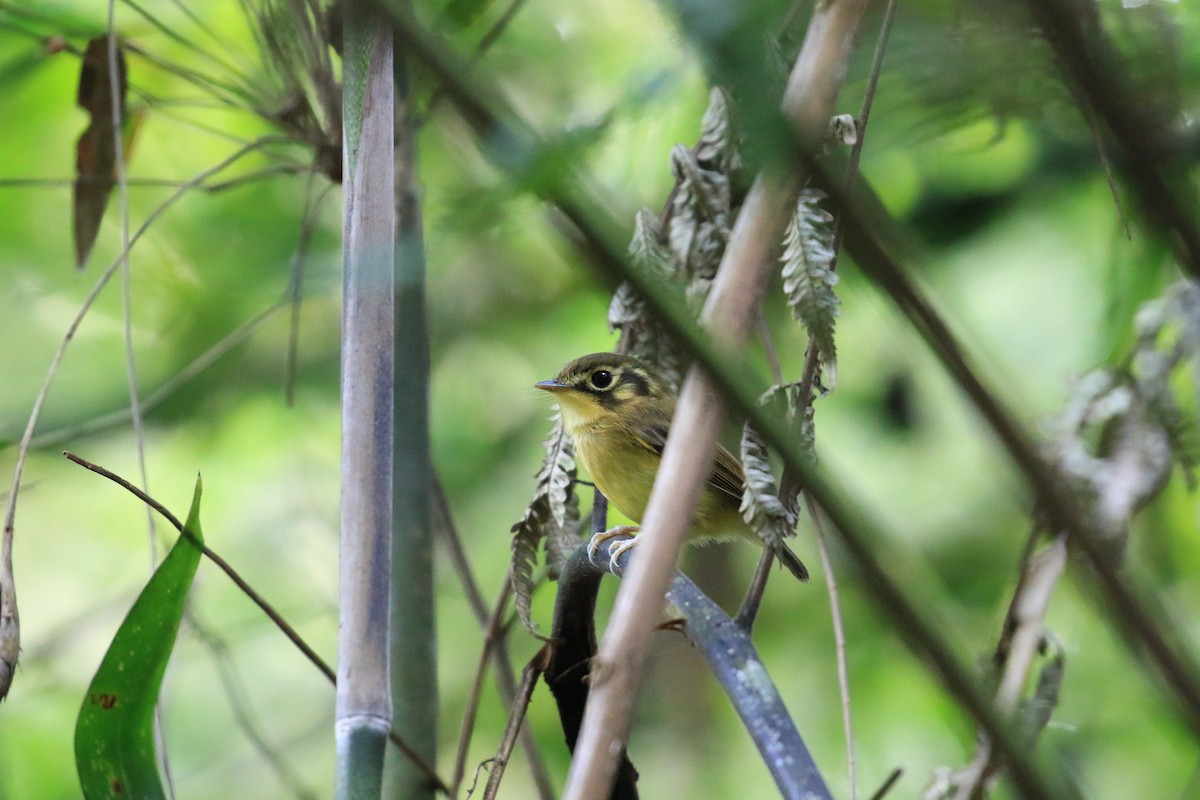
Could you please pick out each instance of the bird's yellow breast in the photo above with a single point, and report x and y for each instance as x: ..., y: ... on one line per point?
x: 624, y: 470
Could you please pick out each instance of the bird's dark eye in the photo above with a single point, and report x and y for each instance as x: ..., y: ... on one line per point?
x: 601, y: 379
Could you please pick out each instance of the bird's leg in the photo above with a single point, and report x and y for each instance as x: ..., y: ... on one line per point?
x: 600, y: 537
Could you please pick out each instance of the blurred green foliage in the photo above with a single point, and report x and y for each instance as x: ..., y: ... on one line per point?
x: 1011, y: 227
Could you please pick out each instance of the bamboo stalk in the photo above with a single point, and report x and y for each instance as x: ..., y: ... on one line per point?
x: 364, y: 702
x: 413, y: 624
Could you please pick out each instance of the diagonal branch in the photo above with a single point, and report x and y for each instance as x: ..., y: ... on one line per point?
x: 509, y: 142
x: 729, y: 314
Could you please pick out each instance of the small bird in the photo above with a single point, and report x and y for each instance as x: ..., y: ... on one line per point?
x: 618, y: 415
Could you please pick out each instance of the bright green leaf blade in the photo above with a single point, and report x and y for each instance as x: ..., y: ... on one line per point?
x: 114, y: 735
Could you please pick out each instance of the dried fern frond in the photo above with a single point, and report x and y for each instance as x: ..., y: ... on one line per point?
x: 642, y: 334
x: 553, y: 514
x: 717, y: 149
x: 1169, y: 334
x: 788, y: 401
x: 700, y: 210
x: 761, y: 507
x: 808, y: 279
x: 700, y: 215
x: 1122, y: 431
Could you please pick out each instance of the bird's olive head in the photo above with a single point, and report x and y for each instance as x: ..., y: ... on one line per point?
x: 599, y: 385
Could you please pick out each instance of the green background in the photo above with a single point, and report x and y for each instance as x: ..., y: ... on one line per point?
x: 1009, y: 225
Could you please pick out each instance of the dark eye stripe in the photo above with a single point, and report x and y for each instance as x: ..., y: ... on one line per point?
x: 635, y: 379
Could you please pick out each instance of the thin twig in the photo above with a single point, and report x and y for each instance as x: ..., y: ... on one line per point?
x: 807, y: 380
x: 752, y: 602
x: 255, y: 598
x: 864, y: 116
x: 839, y: 641
x: 506, y: 681
x: 1137, y: 613
x: 1090, y: 63
x: 764, y: 332
x: 10, y: 628
x: 229, y: 95
x: 491, y: 635
x: 748, y: 612
x: 171, y: 33
x: 1024, y: 629
x: 101, y: 282
x: 887, y: 784
x: 163, y: 392
x: 789, y: 484
x: 529, y: 676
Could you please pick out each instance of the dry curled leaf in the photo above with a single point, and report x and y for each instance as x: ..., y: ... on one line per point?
x: 552, y: 516
x: 761, y: 507
x: 642, y: 334
x: 716, y: 149
x: 808, y: 277
x: 1121, y: 432
x: 700, y: 216
x: 700, y: 210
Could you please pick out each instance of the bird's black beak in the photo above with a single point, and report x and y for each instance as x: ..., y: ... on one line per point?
x: 550, y: 386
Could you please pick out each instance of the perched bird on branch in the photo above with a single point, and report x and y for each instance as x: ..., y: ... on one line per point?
x: 618, y: 415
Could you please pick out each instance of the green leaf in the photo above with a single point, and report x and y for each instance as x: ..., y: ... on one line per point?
x: 114, y: 734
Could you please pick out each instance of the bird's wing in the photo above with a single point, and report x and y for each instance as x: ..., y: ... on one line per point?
x: 726, y: 475
x: 652, y: 437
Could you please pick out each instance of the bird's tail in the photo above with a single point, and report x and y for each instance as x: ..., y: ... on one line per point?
x: 792, y: 562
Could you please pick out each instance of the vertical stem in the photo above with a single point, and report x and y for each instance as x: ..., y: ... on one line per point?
x: 364, y: 703
x: 414, y: 644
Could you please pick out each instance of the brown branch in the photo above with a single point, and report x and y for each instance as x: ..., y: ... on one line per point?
x: 597, y: 237
x: 493, y: 633
x: 506, y: 681
x: 255, y: 598
x: 729, y: 314
x: 887, y: 784
x: 529, y: 676
x: 1137, y: 613
x: 1023, y: 632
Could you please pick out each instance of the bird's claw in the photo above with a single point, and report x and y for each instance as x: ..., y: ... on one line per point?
x: 599, y: 538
